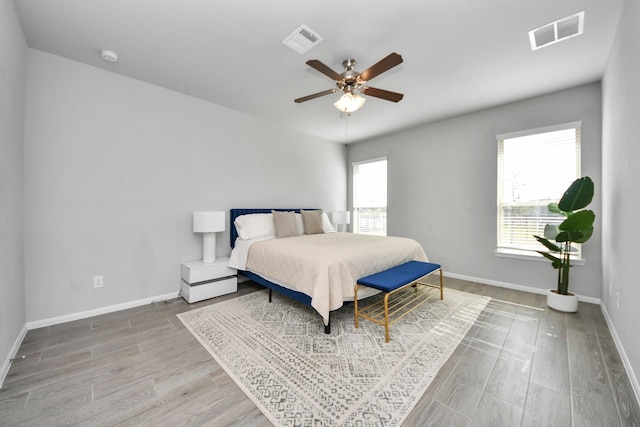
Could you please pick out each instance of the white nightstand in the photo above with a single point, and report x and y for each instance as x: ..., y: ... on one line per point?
x: 202, y: 281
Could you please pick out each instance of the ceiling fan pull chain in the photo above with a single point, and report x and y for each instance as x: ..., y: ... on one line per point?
x: 346, y: 123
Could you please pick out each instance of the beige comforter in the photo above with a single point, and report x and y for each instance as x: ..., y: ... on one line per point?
x: 327, y: 266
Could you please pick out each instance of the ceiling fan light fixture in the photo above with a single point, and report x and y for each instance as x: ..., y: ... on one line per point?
x: 349, y: 102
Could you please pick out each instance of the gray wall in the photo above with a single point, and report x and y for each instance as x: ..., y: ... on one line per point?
x: 114, y: 168
x: 621, y: 183
x: 13, y: 66
x: 442, y: 187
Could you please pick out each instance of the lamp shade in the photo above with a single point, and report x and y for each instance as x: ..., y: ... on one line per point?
x: 349, y: 102
x: 208, y: 222
x: 341, y: 217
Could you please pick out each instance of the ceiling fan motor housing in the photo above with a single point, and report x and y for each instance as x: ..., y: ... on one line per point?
x: 350, y: 80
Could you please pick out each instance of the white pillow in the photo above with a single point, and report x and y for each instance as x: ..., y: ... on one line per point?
x: 253, y: 226
x: 326, y: 224
x: 299, y: 224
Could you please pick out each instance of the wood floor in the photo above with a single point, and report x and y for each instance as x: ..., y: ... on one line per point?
x: 521, y: 364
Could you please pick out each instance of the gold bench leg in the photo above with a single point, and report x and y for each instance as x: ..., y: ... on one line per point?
x: 441, y: 286
x: 355, y: 303
x: 386, y: 317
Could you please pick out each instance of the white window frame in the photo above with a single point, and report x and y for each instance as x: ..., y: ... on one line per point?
x: 356, y: 207
x: 524, y: 253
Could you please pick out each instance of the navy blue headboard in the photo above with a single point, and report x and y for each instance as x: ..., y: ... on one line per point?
x: 236, y: 212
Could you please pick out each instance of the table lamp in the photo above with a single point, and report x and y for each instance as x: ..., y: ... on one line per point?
x: 341, y: 218
x: 208, y: 223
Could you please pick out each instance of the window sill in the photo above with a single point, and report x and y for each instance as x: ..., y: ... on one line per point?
x: 529, y: 256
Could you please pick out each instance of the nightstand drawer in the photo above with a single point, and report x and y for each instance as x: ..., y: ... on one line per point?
x: 197, y: 271
x: 206, y: 290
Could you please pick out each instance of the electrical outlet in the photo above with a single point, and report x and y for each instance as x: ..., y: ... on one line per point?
x: 617, y: 300
x: 98, y: 281
x: 610, y: 288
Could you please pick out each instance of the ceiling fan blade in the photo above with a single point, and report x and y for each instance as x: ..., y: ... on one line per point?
x: 382, y: 94
x: 315, y: 95
x: 314, y: 63
x: 381, y: 66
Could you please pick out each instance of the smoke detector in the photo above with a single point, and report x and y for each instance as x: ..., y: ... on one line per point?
x: 109, y: 56
x: 557, y: 31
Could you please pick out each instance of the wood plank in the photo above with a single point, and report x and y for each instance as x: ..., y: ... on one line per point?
x: 76, y: 371
x: 593, y: 404
x: 609, y: 350
x: 550, y: 367
x: 99, y: 336
x: 199, y: 393
x: 586, y: 359
x: 464, y: 387
x: 40, y: 409
x: 11, y: 403
x: 135, y: 396
x: 495, y: 412
x: 33, y: 365
x: 233, y: 408
x: 143, y: 367
x: 582, y: 319
x: 628, y: 406
x: 509, y: 380
x: 546, y: 407
x: 436, y: 415
x: 524, y: 329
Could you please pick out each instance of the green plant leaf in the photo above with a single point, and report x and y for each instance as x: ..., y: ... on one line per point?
x: 555, y: 261
x: 586, y: 235
x: 582, y: 220
x: 570, y: 236
x: 551, y: 231
x: 578, y: 195
x: 577, y: 228
x: 553, y: 208
x: 548, y: 244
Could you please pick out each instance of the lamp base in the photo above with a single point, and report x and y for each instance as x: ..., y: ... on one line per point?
x: 208, y: 247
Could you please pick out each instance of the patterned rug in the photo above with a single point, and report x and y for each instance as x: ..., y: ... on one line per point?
x: 279, y: 355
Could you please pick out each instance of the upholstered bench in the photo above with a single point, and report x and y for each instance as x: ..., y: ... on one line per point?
x: 397, y: 280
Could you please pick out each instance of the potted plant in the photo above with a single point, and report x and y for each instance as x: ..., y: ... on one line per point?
x: 558, y: 239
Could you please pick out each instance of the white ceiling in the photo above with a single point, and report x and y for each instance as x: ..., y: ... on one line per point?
x: 459, y: 55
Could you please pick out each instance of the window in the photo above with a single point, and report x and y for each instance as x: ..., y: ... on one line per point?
x: 534, y: 168
x: 370, y: 197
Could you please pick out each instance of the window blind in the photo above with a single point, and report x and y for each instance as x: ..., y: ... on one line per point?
x: 534, y: 168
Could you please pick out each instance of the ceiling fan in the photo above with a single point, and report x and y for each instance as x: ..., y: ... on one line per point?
x: 351, y: 82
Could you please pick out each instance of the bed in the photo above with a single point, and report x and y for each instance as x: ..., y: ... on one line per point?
x: 321, y: 269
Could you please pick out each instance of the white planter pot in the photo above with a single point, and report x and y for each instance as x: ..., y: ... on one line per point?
x: 565, y: 303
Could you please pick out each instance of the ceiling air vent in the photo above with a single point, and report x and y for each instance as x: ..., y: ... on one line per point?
x: 557, y: 31
x: 302, y: 39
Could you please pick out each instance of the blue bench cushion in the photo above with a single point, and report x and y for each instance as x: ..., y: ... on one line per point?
x: 396, y: 277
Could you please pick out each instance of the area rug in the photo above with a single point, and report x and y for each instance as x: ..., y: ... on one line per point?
x: 297, y: 375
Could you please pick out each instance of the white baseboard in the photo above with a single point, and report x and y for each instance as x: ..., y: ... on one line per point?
x: 103, y: 310
x: 14, y: 350
x: 531, y: 289
x: 625, y: 360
